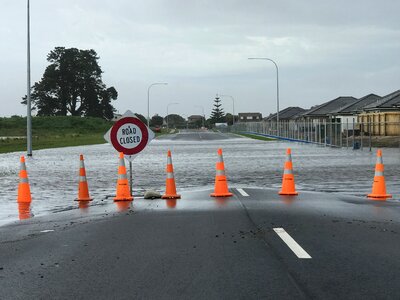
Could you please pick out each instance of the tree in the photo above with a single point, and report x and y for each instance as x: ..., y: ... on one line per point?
x: 198, y: 123
x: 217, y: 114
x: 229, y: 118
x: 175, y: 120
x: 142, y: 118
x: 157, y: 121
x: 72, y: 84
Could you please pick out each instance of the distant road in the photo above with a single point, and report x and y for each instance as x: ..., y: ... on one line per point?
x: 198, y: 135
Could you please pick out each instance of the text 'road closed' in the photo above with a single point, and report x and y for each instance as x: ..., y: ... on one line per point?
x: 129, y: 136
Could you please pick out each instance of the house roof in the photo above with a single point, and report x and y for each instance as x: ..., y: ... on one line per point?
x: 330, y: 107
x: 287, y: 113
x: 250, y: 114
x: 358, y: 105
x: 389, y: 101
x: 195, y: 117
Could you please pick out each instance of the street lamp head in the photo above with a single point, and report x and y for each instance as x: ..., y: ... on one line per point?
x: 265, y: 58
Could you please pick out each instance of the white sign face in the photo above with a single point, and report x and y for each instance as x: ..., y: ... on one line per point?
x: 129, y: 135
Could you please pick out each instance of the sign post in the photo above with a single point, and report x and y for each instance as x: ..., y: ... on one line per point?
x: 130, y: 136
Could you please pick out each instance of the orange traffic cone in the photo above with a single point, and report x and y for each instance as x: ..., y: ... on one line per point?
x: 83, y: 189
x: 170, y: 192
x: 123, y: 192
x: 24, y: 190
x: 221, y: 185
x: 288, y: 186
x: 379, y: 186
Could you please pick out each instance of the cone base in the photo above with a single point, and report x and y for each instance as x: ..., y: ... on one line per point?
x: 288, y: 193
x: 123, y: 198
x: 379, y: 197
x: 175, y: 196
x: 221, y: 194
x: 83, y: 199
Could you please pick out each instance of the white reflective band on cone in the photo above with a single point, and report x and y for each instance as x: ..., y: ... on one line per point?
x: 122, y: 176
x: 220, y: 172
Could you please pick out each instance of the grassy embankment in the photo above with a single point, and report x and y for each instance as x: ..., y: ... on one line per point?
x: 52, y: 132
x: 256, y: 137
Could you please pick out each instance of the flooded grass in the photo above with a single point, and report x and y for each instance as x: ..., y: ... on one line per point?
x: 256, y: 137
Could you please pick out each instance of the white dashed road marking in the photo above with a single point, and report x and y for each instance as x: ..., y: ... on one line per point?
x: 292, y: 244
x: 48, y: 230
x: 242, y: 192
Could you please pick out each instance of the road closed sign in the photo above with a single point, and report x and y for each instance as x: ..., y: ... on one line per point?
x: 129, y: 135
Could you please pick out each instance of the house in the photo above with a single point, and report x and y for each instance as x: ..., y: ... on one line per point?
x: 327, y: 111
x: 382, y: 117
x: 286, y: 114
x: 195, y: 118
x: 250, y: 117
x: 347, y: 116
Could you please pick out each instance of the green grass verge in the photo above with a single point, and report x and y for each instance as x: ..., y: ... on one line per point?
x: 54, y: 132
x: 44, y: 142
x: 256, y: 137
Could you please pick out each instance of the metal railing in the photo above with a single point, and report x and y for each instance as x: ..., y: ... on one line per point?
x: 356, y: 135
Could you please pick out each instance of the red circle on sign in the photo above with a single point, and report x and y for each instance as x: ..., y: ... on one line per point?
x: 117, y: 126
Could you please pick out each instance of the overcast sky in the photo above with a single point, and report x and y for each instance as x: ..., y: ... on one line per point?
x: 324, y: 49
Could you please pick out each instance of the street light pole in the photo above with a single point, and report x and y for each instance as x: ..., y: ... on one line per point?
x: 233, y: 106
x: 277, y: 90
x: 167, y: 112
x: 148, y: 99
x: 28, y: 93
x: 204, y: 116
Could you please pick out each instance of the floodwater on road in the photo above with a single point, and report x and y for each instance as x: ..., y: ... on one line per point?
x: 53, y: 173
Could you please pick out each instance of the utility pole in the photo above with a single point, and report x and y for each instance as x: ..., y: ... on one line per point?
x: 28, y: 93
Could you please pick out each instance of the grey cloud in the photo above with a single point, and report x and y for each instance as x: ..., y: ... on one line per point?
x: 324, y: 49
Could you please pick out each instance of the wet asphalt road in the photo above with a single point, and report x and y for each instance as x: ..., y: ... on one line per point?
x: 198, y: 135
x: 206, y: 248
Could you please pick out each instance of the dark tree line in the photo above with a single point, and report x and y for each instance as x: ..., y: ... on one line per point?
x: 72, y: 85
